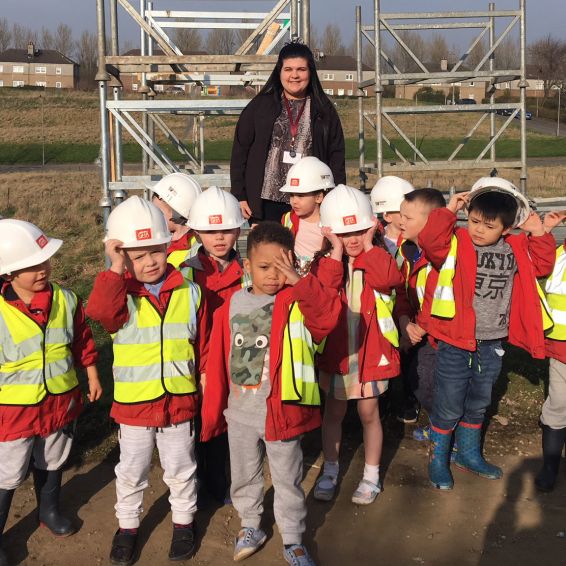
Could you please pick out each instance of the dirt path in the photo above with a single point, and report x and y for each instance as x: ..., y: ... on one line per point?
x: 479, y: 523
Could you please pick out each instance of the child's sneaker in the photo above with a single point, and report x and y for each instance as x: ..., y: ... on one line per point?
x: 325, y: 487
x: 247, y: 542
x: 297, y: 555
x: 422, y: 433
x: 365, y: 493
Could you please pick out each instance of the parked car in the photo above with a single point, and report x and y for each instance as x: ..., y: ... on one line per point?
x: 528, y: 115
x: 466, y: 101
x: 504, y: 111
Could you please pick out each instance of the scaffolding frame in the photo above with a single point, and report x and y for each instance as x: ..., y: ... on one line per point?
x: 484, y: 22
x: 244, y: 68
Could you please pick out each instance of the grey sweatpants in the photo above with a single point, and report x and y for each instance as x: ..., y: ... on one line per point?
x: 554, y: 408
x: 247, y: 451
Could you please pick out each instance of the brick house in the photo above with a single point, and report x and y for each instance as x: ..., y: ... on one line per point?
x: 337, y: 74
x: 37, y: 67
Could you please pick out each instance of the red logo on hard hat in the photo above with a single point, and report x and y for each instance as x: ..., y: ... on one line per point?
x: 144, y: 234
x: 294, y: 182
x: 42, y: 241
x: 215, y: 219
x: 349, y: 220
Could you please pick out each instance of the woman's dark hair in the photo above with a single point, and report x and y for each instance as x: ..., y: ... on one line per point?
x: 290, y: 51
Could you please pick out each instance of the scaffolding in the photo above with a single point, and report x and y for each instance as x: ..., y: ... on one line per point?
x: 386, y: 72
x: 250, y: 65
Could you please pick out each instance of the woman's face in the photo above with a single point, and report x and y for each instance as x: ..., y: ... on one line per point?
x: 295, y: 77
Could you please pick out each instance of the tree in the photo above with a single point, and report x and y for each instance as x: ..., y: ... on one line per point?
x: 187, y: 39
x: 5, y: 34
x: 437, y: 49
x: 476, y: 55
x: 63, y: 40
x: 507, y: 54
x: 22, y: 35
x: 401, y: 58
x: 87, y: 55
x: 221, y: 42
x: 548, y: 56
x: 46, y: 39
x: 332, y: 41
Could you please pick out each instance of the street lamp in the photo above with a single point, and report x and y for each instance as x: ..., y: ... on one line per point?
x: 559, y: 88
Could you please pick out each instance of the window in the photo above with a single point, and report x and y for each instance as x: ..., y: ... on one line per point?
x: 349, y: 77
x: 57, y: 85
x: 17, y: 83
x: 159, y: 88
x: 329, y: 91
x: 40, y: 83
x: 41, y: 70
x: 1, y: 68
x: 328, y: 76
x: 18, y: 69
x: 134, y: 86
x: 57, y: 70
x: 471, y: 83
x: 350, y: 92
x: 340, y: 92
x: 1, y: 83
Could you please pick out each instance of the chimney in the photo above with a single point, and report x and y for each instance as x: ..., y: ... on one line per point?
x: 444, y: 64
x: 31, y: 49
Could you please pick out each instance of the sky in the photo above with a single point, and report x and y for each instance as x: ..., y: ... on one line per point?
x: 543, y: 16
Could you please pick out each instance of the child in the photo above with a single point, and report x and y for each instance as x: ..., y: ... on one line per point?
x: 360, y: 355
x: 261, y: 377
x: 307, y: 181
x: 386, y: 198
x: 215, y: 218
x: 43, y: 337
x: 174, y: 195
x: 553, y: 418
x: 159, y: 328
x: 418, y: 359
x: 486, y: 290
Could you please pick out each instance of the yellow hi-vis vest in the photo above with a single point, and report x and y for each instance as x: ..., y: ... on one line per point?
x: 298, y: 376
x: 177, y: 257
x: 153, y: 353
x: 189, y: 273
x: 443, y: 303
x: 287, y: 221
x: 36, y: 361
x: 384, y: 310
x: 556, y: 296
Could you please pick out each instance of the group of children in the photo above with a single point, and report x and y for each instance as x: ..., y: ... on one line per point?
x: 219, y: 357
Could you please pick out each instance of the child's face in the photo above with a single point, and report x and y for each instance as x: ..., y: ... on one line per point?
x: 31, y: 279
x: 393, y: 218
x: 307, y: 204
x: 413, y: 217
x: 147, y: 264
x: 485, y: 232
x: 266, y: 278
x: 167, y: 212
x: 218, y: 243
x: 353, y: 242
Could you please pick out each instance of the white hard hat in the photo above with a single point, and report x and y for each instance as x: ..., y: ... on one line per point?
x: 215, y: 209
x: 498, y: 184
x: 179, y: 191
x: 345, y: 209
x: 23, y: 244
x: 388, y: 194
x: 309, y: 174
x: 137, y: 223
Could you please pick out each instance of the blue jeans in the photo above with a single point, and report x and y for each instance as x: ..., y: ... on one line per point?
x: 463, y: 383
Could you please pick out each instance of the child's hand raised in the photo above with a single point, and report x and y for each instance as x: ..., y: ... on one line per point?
x: 552, y: 219
x: 369, y: 234
x: 335, y: 241
x: 532, y: 224
x: 285, y: 264
x: 116, y: 255
x: 458, y: 201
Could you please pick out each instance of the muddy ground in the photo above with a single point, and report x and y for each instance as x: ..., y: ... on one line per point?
x: 480, y: 522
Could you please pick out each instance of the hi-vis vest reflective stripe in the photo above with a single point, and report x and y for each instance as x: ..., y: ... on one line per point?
x: 384, y: 309
x: 287, y: 221
x: 153, y: 354
x: 556, y: 295
x: 189, y: 273
x: 422, y: 275
x: 36, y: 361
x: 443, y: 303
x: 177, y: 257
x: 298, y: 376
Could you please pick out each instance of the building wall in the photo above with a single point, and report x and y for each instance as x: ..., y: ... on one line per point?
x: 340, y: 83
x: 475, y: 90
x: 38, y: 74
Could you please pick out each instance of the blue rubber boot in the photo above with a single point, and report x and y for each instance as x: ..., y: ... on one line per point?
x: 469, y: 455
x: 438, y: 464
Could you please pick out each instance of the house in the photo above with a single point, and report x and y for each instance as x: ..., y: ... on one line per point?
x: 37, y: 67
x: 535, y: 82
x: 337, y: 74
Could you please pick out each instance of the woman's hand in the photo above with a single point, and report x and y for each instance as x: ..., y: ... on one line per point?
x: 245, y: 208
x: 285, y: 264
x: 116, y: 255
x: 335, y: 241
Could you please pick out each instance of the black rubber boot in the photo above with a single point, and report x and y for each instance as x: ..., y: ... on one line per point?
x: 5, y: 502
x: 182, y: 543
x: 552, y: 445
x: 47, y: 490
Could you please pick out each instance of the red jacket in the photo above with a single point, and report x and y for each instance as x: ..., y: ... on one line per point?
x: 294, y: 222
x: 534, y: 256
x: 321, y: 308
x: 380, y: 274
x: 55, y: 411
x: 556, y: 348
x: 183, y: 243
x: 108, y: 305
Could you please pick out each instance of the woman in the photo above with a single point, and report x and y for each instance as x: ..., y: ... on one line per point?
x: 290, y: 118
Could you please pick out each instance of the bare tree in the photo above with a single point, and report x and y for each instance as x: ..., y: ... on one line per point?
x: 5, y: 34
x: 507, y: 55
x: 476, y: 55
x: 63, y: 41
x: 187, y: 39
x: 87, y: 55
x: 401, y: 57
x: 437, y: 49
x: 221, y: 42
x: 22, y: 35
x: 332, y: 41
x: 316, y: 42
x: 127, y: 45
x: 46, y: 39
x: 548, y: 56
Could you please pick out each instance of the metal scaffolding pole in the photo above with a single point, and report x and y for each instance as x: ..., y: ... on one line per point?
x: 360, y: 95
x: 492, y: 86
x: 144, y: 88
x: 117, y: 95
x: 306, y: 21
x: 294, y: 19
x: 523, y: 87
x: 378, y: 87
